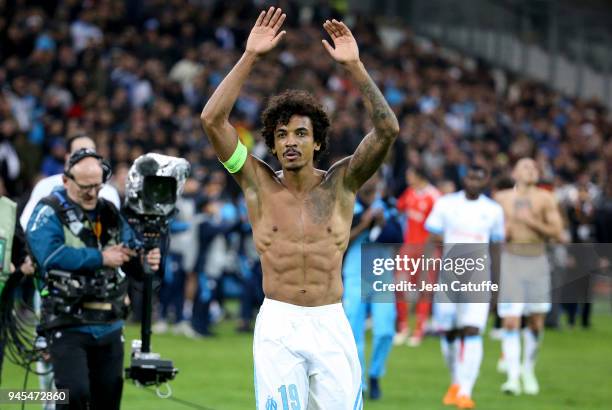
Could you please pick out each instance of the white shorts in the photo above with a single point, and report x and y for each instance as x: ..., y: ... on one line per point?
x: 448, y: 315
x: 522, y: 309
x: 305, y: 358
x: 524, y: 285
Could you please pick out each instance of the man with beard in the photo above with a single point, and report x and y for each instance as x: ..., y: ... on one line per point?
x: 304, y: 350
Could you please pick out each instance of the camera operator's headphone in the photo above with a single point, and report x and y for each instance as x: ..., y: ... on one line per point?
x: 83, y: 153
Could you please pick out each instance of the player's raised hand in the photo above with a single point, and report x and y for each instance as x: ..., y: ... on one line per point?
x: 345, y: 48
x: 264, y: 37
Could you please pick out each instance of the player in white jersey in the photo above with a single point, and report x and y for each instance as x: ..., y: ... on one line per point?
x: 45, y: 186
x: 465, y: 217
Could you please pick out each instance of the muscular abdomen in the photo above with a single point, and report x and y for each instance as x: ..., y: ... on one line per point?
x: 301, y: 253
x: 309, y: 278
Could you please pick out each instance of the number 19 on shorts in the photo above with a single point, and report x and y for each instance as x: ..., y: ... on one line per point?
x: 289, y: 397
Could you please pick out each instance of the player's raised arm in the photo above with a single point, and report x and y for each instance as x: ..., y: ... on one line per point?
x: 264, y: 37
x: 370, y: 154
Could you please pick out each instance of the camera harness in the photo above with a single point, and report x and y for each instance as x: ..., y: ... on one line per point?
x: 84, y: 297
x: 68, y: 297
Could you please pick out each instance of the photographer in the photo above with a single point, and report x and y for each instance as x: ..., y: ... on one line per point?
x: 78, y: 242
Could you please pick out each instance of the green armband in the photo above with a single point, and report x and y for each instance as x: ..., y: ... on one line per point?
x: 237, y: 160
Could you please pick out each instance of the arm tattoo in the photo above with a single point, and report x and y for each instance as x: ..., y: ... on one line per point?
x: 371, y: 153
x: 376, y: 104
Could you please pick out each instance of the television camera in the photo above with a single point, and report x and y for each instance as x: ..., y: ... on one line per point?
x: 154, y: 183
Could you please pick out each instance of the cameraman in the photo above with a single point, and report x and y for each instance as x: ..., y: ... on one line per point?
x: 74, y: 231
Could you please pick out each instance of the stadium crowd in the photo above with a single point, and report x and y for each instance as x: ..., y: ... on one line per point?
x: 135, y: 76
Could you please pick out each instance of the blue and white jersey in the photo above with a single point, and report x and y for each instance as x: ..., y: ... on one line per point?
x: 460, y: 220
x: 389, y: 233
x: 351, y: 268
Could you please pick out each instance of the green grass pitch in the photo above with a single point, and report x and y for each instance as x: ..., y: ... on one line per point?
x: 574, y: 369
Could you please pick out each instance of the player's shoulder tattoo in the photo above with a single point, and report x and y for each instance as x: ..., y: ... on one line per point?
x: 321, y: 202
x: 324, y: 197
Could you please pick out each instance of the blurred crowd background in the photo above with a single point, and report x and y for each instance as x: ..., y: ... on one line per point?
x: 135, y: 75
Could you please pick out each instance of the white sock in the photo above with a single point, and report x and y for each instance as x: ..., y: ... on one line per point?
x: 511, y: 346
x: 469, y: 364
x: 450, y: 353
x: 531, y: 345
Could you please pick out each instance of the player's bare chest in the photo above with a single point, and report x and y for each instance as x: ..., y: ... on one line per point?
x: 525, y: 204
x: 318, y: 212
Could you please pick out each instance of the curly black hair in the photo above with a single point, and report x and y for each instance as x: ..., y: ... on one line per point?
x: 295, y: 102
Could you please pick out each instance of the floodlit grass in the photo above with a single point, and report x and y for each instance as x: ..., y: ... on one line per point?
x: 574, y: 369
